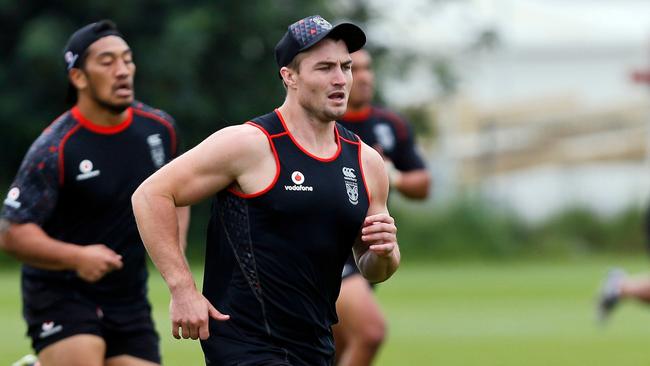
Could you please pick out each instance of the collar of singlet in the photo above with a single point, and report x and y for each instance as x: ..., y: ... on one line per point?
x: 358, y: 115
x: 105, y: 130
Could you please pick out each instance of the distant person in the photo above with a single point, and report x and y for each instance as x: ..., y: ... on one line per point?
x: 618, y: 285
x: 294, y: 192
x: 68, y: 214
x: 362, y: 327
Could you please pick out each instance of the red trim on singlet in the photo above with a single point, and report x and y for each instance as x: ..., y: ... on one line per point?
x: 350, y: 141
x: 61, y: 146
x: 324, y: 160
x: 277, y: 166
x: 357, y: 116
x: 104, y: 130
x: 164, y: 122
x: 363, y: 176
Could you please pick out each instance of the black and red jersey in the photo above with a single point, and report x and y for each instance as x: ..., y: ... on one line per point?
x: 274, y: 258
x: 388, y: 133
x: 76, y: 182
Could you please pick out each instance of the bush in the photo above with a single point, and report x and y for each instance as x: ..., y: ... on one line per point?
x: 472, y: 228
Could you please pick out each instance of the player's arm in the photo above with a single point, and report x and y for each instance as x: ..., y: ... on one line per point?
x: 183, y: 214
x: 211, y: 166
x: 413, y: 184
x: 407, y: 172
x: 30, y: 202
x: 376, y: 250
x: 31, y: 245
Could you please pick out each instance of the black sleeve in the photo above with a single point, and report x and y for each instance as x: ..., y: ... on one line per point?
x: 406, y: 157
x: 177, y: 147
x: 34, y: 192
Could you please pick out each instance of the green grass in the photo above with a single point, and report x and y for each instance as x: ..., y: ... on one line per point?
x: 532, y: 313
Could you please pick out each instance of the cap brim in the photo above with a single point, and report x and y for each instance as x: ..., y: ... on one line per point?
x: 351, y: 34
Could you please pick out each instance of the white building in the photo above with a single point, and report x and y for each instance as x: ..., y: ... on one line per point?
x: 545, y: 119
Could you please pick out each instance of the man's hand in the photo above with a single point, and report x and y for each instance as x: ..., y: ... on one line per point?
x: 95, y: 261
x: 190, y: 311
x: 380, y: 234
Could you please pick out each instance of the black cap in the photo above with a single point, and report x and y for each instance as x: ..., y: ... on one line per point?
x: 308, y: 31
x: 82, y: 39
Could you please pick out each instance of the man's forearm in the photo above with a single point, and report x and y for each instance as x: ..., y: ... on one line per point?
x: 376, y: 268
x: 31, y: 245
x: 414, y: 184
x: 158, y: 224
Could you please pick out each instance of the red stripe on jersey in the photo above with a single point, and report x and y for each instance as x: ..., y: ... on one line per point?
x: 61, y: 146
x: 350, y: 141
x: 104, y: 130
x: 277, y: 166
x: 360, y: 115
x: 324, y: 160
x: 363, y: 176
x: 164, y: 122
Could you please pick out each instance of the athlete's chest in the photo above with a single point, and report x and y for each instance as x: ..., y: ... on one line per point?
x: 306, y: 186
x: 102, y: 168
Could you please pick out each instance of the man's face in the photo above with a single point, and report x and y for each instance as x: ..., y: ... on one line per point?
x: 109, y: 71
x: 363, y: 87
x: 324, y: 79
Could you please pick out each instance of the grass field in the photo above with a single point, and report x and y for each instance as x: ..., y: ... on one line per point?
x: 455, y: 314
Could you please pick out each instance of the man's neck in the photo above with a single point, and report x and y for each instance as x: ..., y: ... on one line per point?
x: 100, y: 115
x: 315, y: 135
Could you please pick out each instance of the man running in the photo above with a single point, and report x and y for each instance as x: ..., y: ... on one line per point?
x: 68, y: 214
x: 362, y: 327
x: 294, y: 192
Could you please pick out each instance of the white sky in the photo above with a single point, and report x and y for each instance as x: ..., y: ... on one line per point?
x: 542, y: 23
x: 585, y: 47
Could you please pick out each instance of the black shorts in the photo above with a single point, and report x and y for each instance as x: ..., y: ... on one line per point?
x: 62, y: 313
x: 242, y: 350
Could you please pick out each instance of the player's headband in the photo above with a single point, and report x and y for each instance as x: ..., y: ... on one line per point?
x: 83, y: 38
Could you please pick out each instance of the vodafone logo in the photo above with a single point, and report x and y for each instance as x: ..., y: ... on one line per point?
x: 14, y: 193
x: 86, y: 169
x: 86, y: 166
x: 12, y: 198
x: 297, y: 177
x: 49, y: 328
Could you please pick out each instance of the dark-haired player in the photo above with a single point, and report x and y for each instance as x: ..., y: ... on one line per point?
x: 362, y: 327
x: 68, y: 214
x: 294, y: 193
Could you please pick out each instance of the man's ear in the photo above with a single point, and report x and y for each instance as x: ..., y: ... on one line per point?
x: 288, y: 76
x: 78, y: 78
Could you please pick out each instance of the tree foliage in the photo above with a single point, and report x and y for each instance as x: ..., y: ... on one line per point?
x: 207, y: 63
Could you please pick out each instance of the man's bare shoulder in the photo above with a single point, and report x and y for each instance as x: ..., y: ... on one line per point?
x: 241, y: 147
x: 249, y: 133
x: 241, y: 138
x: 371, y: 158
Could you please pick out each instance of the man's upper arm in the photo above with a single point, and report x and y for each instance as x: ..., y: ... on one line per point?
x: 211, y: 166
x: 33, y: 194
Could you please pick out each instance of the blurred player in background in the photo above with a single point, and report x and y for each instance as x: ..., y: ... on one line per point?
x: 618, y: 285
x: 68, y: 214
x: 362, y: 327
